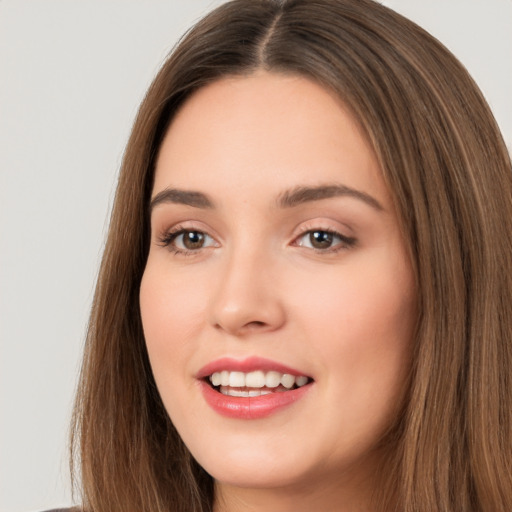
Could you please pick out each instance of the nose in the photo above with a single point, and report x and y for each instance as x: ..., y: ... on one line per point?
x: 248, y: 298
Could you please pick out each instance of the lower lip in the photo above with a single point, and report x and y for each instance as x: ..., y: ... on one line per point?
x: 254, y: 407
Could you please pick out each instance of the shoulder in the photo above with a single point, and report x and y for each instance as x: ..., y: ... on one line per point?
x: 70, y: 509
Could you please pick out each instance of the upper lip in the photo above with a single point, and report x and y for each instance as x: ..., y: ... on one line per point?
x: 246, y: 365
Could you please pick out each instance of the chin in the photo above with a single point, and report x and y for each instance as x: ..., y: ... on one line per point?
x: 243, y: 463
x: 262, y: 474
x: 282, y: 462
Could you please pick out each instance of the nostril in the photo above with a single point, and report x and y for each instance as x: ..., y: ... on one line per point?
x: 256, y: 324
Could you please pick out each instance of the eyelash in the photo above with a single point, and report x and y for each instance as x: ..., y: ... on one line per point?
x: 169, y: 237
x: 345, y: 243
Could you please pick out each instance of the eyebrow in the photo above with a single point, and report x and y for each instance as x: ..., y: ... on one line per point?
x: 300, y: 195
x: 177, y: 196
x: 287, y: 199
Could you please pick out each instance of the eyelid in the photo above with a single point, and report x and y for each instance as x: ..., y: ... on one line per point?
x: 167, y: 236
x: 176, y: 235
x: 346, y: 241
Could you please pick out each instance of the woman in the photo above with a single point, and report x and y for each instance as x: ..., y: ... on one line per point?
x: 304, y: 301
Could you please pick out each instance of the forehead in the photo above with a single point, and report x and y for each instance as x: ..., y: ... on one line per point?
x: 264, y: 129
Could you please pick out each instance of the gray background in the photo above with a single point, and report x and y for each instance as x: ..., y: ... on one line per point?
x: 72, y: 73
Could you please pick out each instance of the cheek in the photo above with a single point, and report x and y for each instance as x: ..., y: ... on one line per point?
x: 171, y: 311
x: 361, y: 324
x: 365, y: 305
x: 170, y: 307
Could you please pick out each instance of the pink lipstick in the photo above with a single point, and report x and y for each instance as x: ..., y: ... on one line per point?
x: 251, y: 388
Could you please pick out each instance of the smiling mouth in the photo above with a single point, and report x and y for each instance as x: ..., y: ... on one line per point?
x: 255, y: 383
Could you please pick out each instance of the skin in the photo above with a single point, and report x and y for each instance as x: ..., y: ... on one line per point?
x: 343, y: 315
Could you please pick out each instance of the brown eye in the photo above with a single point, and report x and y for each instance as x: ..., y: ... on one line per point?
x: 192, y: 239
x: 325, y: 240
x: 320, y: 239
x: 188, y: 240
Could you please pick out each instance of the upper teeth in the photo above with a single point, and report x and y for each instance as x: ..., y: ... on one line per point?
x: 257, y: 379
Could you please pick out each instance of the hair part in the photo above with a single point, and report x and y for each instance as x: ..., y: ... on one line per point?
x: 450, y: 176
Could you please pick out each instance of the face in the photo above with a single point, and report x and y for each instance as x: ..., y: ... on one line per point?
x: 277, y: 270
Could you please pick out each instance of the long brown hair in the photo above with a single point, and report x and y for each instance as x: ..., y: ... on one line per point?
x: 450, y: 175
